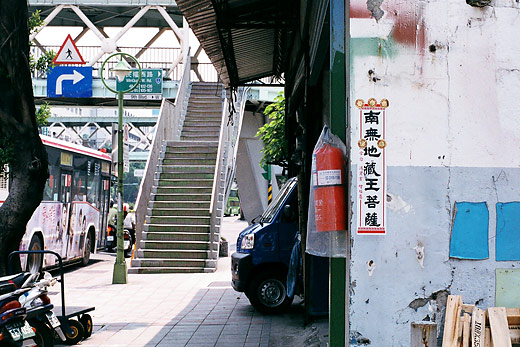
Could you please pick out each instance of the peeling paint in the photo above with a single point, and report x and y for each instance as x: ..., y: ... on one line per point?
x: 374, y: 6
x: 419, y: 254
x: 397, y: 204
x: 371, y: 266
x: 435, y: 301
x: 356, y: 339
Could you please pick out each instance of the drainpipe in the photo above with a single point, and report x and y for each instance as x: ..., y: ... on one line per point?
x: 338, y: 126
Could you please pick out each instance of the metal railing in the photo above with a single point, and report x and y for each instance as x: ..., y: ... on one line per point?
x: 226, y: 159
x: 149, y: 58
x: 169, y: 127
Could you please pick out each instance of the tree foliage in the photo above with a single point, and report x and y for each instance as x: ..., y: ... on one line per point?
x: 272, y: 134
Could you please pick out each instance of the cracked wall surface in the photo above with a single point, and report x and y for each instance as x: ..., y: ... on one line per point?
x: 451, y: 74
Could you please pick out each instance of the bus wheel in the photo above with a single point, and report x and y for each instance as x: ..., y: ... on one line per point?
x: 35, y: 261
x: 86, y: 253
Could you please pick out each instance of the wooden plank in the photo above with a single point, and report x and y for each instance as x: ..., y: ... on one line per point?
x: 513, y: 316
x: 424, y: 334
x: 488, y: 342
x: 499, y: 327
x: 478, y: 324
x: 466, y: 328
x: 458, y: 340
x: 514, y: 334
x: 451, y: 320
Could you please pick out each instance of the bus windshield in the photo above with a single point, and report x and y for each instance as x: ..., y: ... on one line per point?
x: 275, y: 205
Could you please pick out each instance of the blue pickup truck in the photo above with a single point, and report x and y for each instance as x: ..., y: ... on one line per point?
x: 260, y: 266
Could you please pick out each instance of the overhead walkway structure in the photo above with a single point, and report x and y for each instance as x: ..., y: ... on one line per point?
x: 194, y: 144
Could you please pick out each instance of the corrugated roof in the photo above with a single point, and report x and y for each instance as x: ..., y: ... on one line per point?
x: 244, y: 39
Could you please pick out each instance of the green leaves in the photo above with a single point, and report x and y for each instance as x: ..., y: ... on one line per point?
x: 272, y: 134
x: 43, y: 114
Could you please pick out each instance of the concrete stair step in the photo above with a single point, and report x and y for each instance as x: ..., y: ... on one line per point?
x: 179, y: 204
x: 201, y: 128
x: 184, y: 175
x: 174, y: 228
x: 171, y: 220
x: 197, y: 100
x: 181, y: 197
x: 190, y: 182
x: 166, y: 270
x: 195, y: 120
x: 210, y: 169
x: 203, y: 112
x: 175, y: 236
x: 193, y: 137
x: 172, y: 254
x: 182, y: 212
x: 176, y: 245
x: 188, y: 161
x: 190, y: 155
x: 186, y: 263
x: 184, y: 190
x: 199, y: 145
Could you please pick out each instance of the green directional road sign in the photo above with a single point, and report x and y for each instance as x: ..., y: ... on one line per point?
x: 150, y: 87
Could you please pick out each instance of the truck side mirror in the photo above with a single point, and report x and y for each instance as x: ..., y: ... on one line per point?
x: 287, y: 214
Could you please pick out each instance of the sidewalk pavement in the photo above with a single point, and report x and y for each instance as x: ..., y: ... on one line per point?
x: 195, y: 310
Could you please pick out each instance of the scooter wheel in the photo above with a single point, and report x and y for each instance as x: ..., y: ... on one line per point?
x: 44, y: 336
x: 86, y: 321
x: 76, y: 334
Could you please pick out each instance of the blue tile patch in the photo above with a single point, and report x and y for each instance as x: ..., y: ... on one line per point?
x: 469, y: 236
x: 508, y: 231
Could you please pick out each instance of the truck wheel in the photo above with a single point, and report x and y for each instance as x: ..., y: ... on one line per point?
x: 268, y: 294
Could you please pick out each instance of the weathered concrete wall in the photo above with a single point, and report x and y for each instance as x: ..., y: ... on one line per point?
x: 252, y: 187
x: 452, y: 76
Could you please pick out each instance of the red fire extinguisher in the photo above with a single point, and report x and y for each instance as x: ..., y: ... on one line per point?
x: 330, y: 205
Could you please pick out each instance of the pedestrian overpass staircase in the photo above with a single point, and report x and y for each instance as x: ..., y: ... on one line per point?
x: 180, y: 205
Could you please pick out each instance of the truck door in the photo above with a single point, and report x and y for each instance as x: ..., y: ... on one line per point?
x: 288, y: 226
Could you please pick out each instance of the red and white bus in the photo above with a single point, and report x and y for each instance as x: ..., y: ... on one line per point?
x: 72, y: 216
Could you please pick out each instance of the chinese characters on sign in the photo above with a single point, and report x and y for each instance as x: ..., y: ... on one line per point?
x: 371, y: 176
x: 149, y: 88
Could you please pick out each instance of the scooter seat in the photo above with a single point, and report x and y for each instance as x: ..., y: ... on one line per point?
x: 17, y: 279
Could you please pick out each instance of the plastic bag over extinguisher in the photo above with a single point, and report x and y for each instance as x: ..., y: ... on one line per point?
x: 327, y: 218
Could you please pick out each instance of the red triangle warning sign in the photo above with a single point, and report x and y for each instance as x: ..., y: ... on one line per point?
x: 68, y: 53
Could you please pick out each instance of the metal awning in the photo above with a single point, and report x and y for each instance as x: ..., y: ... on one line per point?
x: 245, y: 39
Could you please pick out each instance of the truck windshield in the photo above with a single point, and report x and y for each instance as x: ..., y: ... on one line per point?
x: 278, y: 201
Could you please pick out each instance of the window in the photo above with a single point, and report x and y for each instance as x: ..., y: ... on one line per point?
x: 50, y: 192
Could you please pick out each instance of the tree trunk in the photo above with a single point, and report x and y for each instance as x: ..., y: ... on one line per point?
x: 28, y: 171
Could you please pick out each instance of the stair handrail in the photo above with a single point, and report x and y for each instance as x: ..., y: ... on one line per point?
x: 227, y: 144
x: 169, y: 126
x: 216, y: 180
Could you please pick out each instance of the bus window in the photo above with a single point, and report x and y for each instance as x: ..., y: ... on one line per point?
x: 50, y: 192
x: 94, y: 180
x: 66, y: 180
x: 79, y: 186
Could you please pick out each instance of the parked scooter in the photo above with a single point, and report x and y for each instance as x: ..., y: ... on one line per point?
x: 128, y: 232
x: 39, y: 311
x: 14, y: 328
x: 111, y: 242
